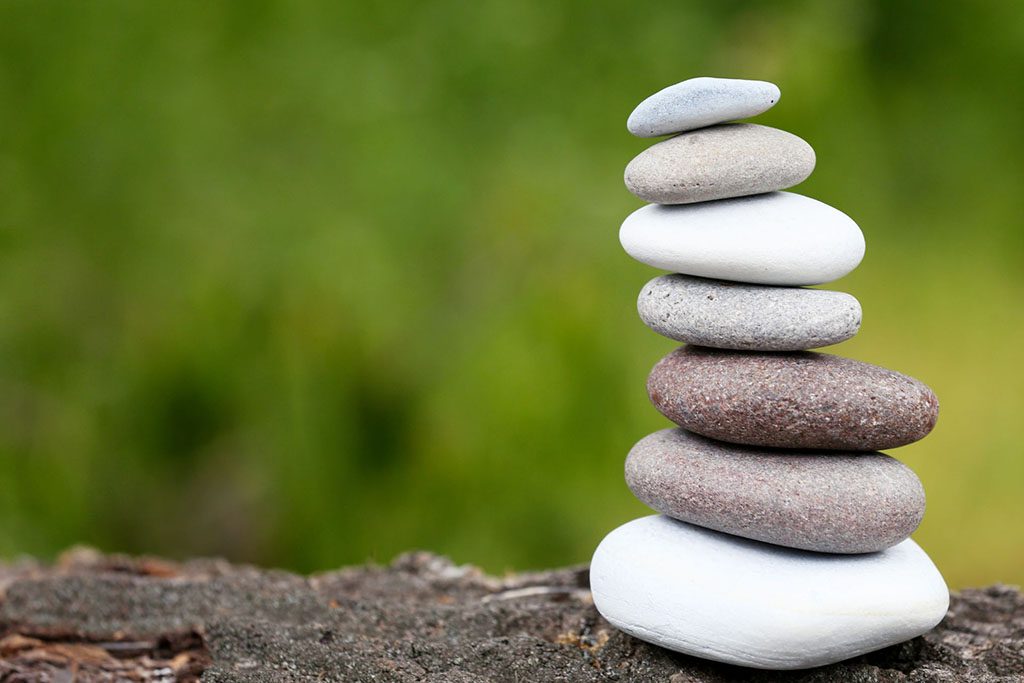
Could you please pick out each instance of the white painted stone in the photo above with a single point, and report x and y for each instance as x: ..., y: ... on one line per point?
x: 700, y: 102
x: 724, y: 598
x: 781, y: 238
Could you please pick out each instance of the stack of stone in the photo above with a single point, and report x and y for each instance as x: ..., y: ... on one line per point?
x: 783, y: 539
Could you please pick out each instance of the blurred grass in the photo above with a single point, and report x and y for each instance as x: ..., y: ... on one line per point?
x: 308, y: 283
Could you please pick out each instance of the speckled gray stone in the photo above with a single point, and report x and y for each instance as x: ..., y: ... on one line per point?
x: 732, y: 160
x: 730, y: 315
x: 799, y: 399
x: 826, y: 501
x: 700, y: 102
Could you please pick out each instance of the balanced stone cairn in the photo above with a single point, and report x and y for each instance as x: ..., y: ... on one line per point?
x: 782, y: 541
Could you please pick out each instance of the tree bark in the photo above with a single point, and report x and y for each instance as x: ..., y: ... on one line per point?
x: 110, y: 618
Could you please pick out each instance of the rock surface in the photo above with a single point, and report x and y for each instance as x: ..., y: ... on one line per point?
x: 731, y: 160
x: 421, y: 619
x: 826, y: 501
x: 801, y: 399
x: 780, y: 238
x: 700, y: 102
x: 730, y: 315
x: 742, y: 602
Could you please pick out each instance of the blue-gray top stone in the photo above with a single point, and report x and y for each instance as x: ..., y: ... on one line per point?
x: 700, y: 102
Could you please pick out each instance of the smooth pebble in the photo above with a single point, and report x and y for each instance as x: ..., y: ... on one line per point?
x: 800, y: 399
x: 826, y: 501
x: 729, y: 315
x: 732, y: 600
x: 700, y: 102
x: 731, y: 160
x: 780, y: 238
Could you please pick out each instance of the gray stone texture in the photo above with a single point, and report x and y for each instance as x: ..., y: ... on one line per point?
x: 731, y: 160
x: 825, y: 501
x: 798, y: 399
x: 730, y: 315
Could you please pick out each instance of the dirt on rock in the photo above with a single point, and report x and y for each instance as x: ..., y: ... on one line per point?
x: 92, y: 617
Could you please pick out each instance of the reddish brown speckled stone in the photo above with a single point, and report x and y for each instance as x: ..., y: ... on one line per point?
x: 826, y: 501
x: 791, y: 400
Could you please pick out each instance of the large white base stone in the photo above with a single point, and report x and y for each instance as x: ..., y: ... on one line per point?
x: 724, y: 598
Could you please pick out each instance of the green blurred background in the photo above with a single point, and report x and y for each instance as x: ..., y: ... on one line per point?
x: 306, y: 284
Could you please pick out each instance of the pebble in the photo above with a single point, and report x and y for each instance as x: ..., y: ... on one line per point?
x: 700, y: 102
x: 730, y: 160
x: 780, y: 238
x: 798, y: 399
x: 826, y: 501
x: 728, y: 315
x: 732, y: 600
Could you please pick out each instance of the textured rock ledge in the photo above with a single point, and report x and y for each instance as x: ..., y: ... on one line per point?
x: 420, y: 619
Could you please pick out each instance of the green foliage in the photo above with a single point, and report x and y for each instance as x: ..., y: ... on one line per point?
x: 309, y: 283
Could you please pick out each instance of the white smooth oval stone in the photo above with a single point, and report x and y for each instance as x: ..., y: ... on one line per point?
x: 780, y: 238
x: 700, y: 102
x: 724, y: 598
